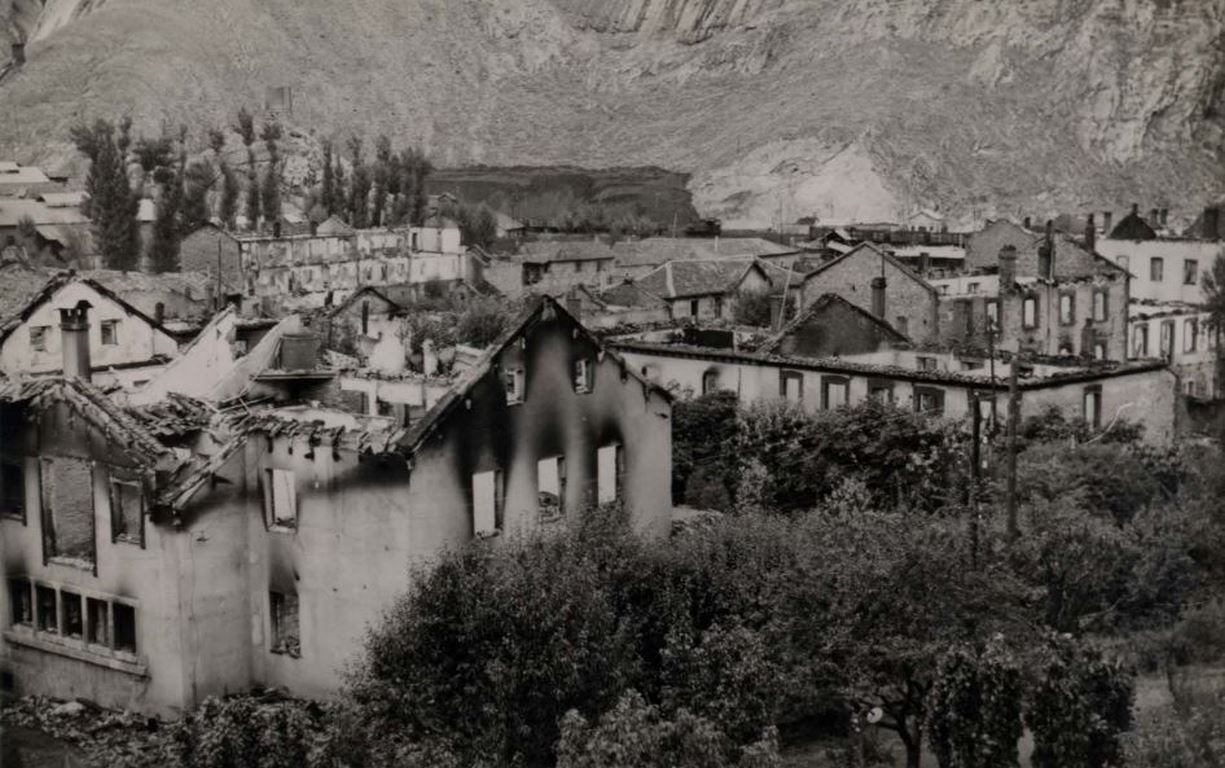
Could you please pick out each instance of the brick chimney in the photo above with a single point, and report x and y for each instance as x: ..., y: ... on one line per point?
x: 1107, y: 220
x: 878, y: 297
x: 1046, y: 253
x: 1090, y: 234
x: 74, y: 327
x: 1008, y: 269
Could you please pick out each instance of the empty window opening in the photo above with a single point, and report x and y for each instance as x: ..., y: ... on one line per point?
x: 1067, y: 311
x: 610, y: 473
x: 834, y: 390
x: 286, y: 638
x: 280, y: 498
x: 1100, y: 306
x: 48, y: 614
x: 926, y: 363
x: 1139, y: 341
x: 488, y: 497
x: 74, y: 623
x: 513, y: 379
x: 1190, y: 335
x: 880, y: 392
x: 1099, y: 350
x: 993, y: 316
x: 551, y: 486
x: 38, y: 337
x: 1190, y: 272
x: 693, y: 307
x: 1093, y: 407
x: 127, y: 512
x: 98, y: 621
x: 21, y: 602
x: 1029, y: 313
x: 791, y: 385
x: 125, y: 627
x: 110, y: 332
x: 12, y: 490
x: 68, y: 531
x: 710, y: 381
x: 584, y: 375
x: 1167, y: 338
x: 1156, y: 269
x: 929, y: 401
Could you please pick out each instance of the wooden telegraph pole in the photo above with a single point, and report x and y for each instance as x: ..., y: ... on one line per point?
x: 1014, y: 414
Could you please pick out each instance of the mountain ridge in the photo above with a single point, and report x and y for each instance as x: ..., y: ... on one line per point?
x: 862, y: 108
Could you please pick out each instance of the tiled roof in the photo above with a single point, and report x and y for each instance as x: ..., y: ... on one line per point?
x: 563, y: 250
x: 18, y: 286
x: 11, y: 322
x: 822, y: 303
x: 877, y: 252
x: 679, y: 279
x: 653, y: 251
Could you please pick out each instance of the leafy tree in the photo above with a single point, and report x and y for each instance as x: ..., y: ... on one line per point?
x: 974, y: 708
x: 702, y: 429
x: 753, y: 308
x: 167, y: 228
x: 271, y: 189
x: 328, y: 196
x: 635, y: 733
x: 245, y: 127
x: 482, y: 322
x: 1214, y: 295
x: 111, y: 203
x: 477, y: 226
x: 359, y: 189
x: 382, y: 174
x: 1079, y: 707
x: 155, y: 157
x: 253, y: 193
x: 230, y: 191
x: 198, y: 181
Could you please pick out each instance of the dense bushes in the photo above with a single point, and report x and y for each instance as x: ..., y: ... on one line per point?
x: 800, y: 459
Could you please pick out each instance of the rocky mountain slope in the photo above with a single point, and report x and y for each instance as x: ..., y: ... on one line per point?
x: 839, y: 108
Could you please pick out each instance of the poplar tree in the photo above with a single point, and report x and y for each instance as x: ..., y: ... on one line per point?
x: 328, y: 192
x: 167, y: 228
x: 382, y: 171
x: 229, y: 195
x: 359, y: 190
x: 110, y: 202
x: 271, y: 191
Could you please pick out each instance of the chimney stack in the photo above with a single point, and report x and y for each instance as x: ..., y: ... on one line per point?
x: 1154, y: 218
x: 1008, y: 269
x: 1107, y: 220
x: 1090, y: 235
x: 74, y: 327
x: 1165, y: 216
x: 1212, y: 223
x: 1046, y: 253
x: 19, y: 53
x: 878, y: 297
x: 1135, y: 210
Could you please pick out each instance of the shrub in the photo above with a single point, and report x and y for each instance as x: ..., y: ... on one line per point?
x: 481, y: 323
x: 974, y: 708
x: 1079, y: 707
x: 702, y: 433
x: 1110, y: 479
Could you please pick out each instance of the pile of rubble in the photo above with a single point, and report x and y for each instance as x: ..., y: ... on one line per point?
x: 107, y: 737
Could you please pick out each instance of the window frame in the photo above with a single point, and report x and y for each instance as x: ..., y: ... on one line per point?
x: 271, y: 521
x: 18, y: 510
x: 514, y: 383
x: 835, y: 380
x: 550, y: 513
x: 937, y: 393
x: 706, y: 378
x: 1190, y: 334
x: 991, y: 314
x: 881, y: 385
x: 26, y: 586
x: 1101, y: 300
x: 38, y: 337
x: 1068, y: 317
x: 1029, y: 319
x: 499, y: 504
x: 1139, y: 333
x: 277, y: 626
x: 113, y: 486
x: 1156, y: 269
x: 617, y: 486
x: 582, y: 374
x: 1095, y: 419
x: 1190, y: 271
x: 108, y: 328
x: 135, y: 647
x: 787, y: 375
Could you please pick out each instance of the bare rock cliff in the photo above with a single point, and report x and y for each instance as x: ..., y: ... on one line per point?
x: 863, y: 108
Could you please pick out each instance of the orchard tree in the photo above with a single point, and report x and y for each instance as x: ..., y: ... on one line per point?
x: 974, y: 707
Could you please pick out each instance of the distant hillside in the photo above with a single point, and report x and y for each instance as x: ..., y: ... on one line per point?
x: 839, y: 108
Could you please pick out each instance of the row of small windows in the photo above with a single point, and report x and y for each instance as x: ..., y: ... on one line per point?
x: 108, y: 333
x: 489, y: 489
x: 582, y: 379
x: 97, y: 623
x: 1190, y: 338
x: 1156, y: 269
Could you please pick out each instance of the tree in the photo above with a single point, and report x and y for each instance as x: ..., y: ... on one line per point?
x: 271, y: 190
x: 245, y: 127
x: 216, y: 141
x: 327, y: 196
x: 111, y: 203
x: 974, y: 708
x: 1214, y: 293
x: 197, y: 183
x: 230, y: 190
x: 753, y: 308
x: 359, y: 190
x: 382, y: 175
x: 167, y: 228
x: 477, y: 226
x: 1079, y: 707
x: 253, y: 193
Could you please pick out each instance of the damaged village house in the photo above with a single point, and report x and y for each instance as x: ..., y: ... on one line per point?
x: 162, y: 548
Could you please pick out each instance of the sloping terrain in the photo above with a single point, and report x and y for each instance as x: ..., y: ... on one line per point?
x: 865, y: 108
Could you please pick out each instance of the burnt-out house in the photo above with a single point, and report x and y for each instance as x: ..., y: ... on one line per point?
x: 363, y: 315
x: 832, y: 327
x: 257, y: 551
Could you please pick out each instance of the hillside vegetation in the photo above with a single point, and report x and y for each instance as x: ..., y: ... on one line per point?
x: 841, y: 108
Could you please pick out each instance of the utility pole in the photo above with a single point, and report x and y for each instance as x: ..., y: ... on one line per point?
x: 1014, y: 413
x: 218, y: 299
x: 975, y: 474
